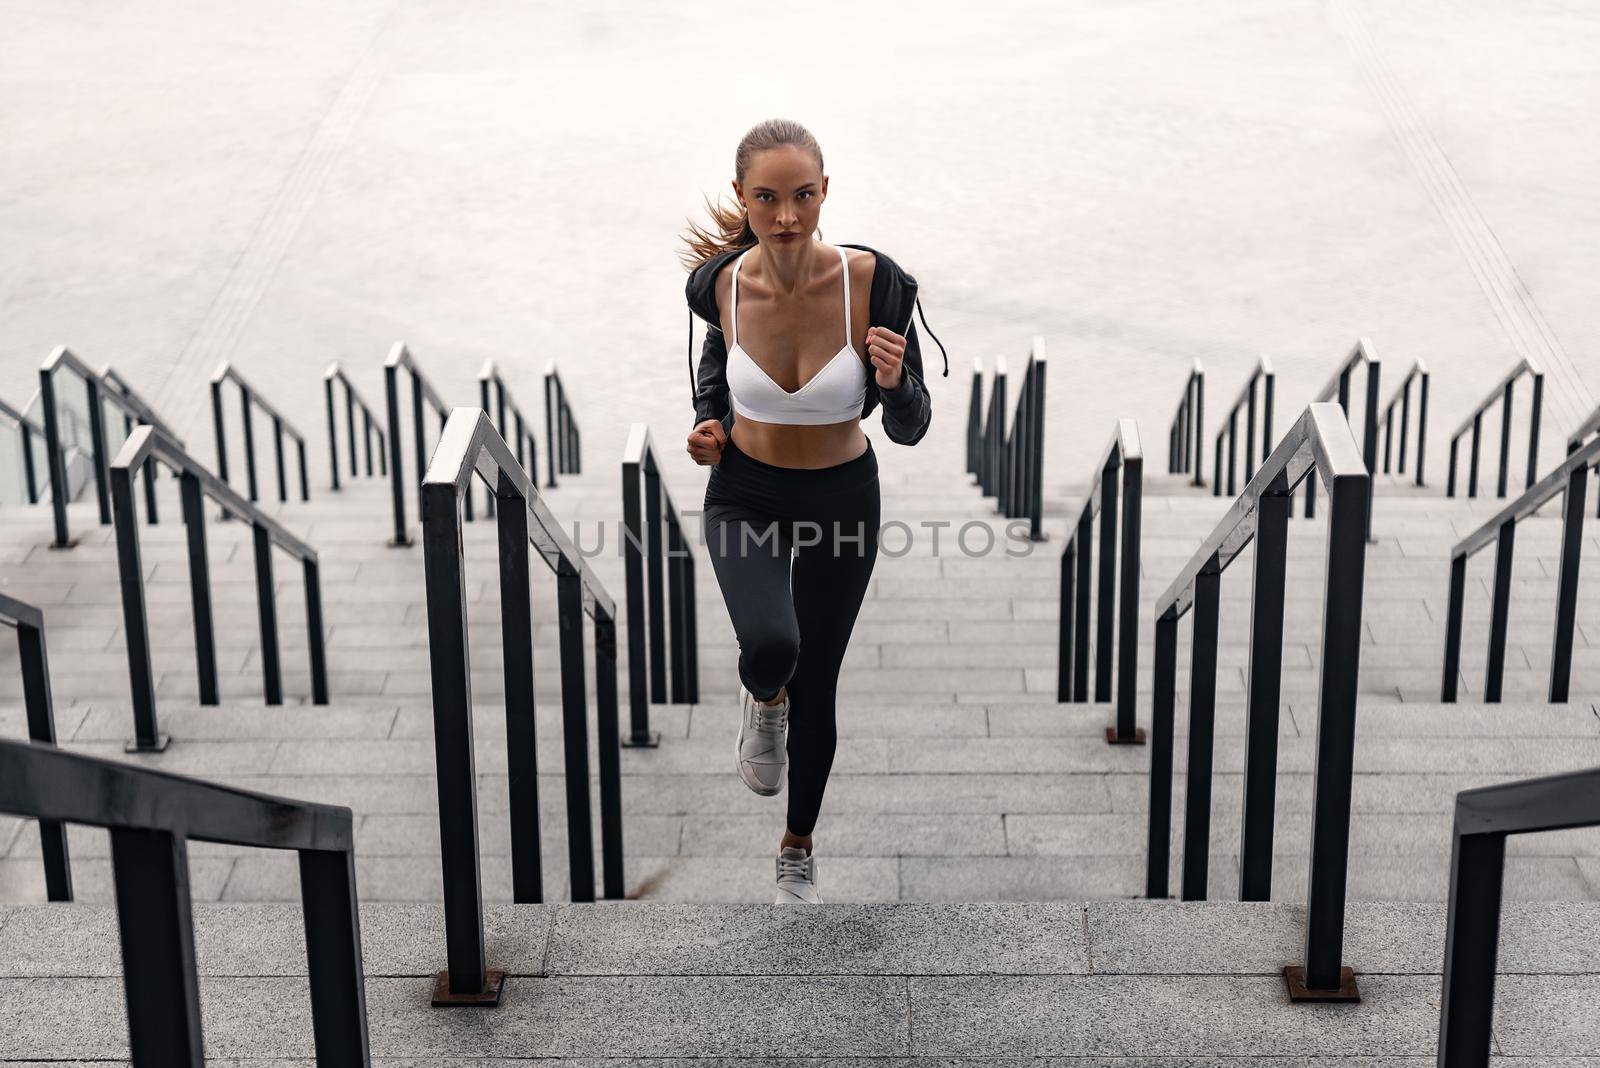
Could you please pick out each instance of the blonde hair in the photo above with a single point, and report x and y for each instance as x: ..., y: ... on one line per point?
x: 731, y: 222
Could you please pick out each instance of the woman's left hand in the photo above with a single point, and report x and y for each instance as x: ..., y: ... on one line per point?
x: 886, y: 349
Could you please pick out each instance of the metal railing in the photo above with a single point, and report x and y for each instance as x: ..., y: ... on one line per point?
x: 1587, y: 429
x: 1186, y: 438
x: 992, y: 435
x: 1338, y: 388
x: 352, y: 400
x: 645, y: 545
x: 146, y: 446
x: 1484, y: 819
x: 1072, y: 655
x: 489, y: 376
x: 470, y: 446
x: 422, y: 392
x: 26, y: 429
x: 1502, y: 393
x: 1571, y: 479
x: 100, y: 387
x: 152, y: 817
x: 1402, y: 397
x: 975, y: 421
x: 563, y: 444
x: 29, y: 624
x: 249, y: 400
x: 1319, y: 445
x: 1021, y: 487
x: 1261, y: 380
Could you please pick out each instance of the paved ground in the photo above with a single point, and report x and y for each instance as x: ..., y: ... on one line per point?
x: 1139, y: 184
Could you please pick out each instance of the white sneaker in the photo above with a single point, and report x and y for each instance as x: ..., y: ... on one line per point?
x: 797, y: 877
x: 761, y: 748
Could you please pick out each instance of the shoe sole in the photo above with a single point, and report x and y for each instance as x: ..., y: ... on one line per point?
x: 738, y: 762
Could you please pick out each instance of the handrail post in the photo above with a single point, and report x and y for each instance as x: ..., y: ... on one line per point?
x: 1250, y: 432
x: 1472, y: 467
x: 1572, y: 507
x: 277, y: 450
x: 156, y: 921
x: 305, y: 477
x: 218, y: 430
x: 1199, y: 425
x: 97, y: 438
x: 678, y: 595
x: 333, y: 433
x: 1323, y: 977
x: 466, y: 980
x: 267, y: 611
x: 1080, y: 631
x: 1263, y: 698
x: 1422, y: 423
x: 516, y: 639
x: 205, y: 644
x: 656, y: 539
x: 350, y: 427
x: 1499, y: 611
x: 1202, y: 728
x: 1126, y: 732
x: 1233, y: 443
x: 1105, y: 606
x: 135, y: 624
x: 1534, y: 412
x: 1158, y: 847
x: 56, y: 460
x: 639, y: 733
x: 1471, y: 944
x: 1064, y: 614
x: 249, y: 444
x: 1454, y: 609
x: 315, y: 640
x: 1369, y: 433
x: 35, y: 665
x: 552, y: 410
x: 975, y: 419
x: 575, y: 734
x: 391, y: 378
x: 1505, y: 438
x: 610, y: 758
x: 333, y: 957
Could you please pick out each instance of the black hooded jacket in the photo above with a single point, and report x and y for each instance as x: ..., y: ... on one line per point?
x: 906, y: 408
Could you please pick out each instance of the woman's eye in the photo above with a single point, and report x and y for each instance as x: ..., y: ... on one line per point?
x: 806, y: 193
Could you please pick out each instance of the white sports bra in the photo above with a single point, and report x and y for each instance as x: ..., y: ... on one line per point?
x: 834, y: 394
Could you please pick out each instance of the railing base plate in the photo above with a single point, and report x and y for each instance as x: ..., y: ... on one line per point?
x: 1112, y: 737
x: 393, y: 544
x: 1294, y: 977
x: 493, y: 983
x: 162, y: 741
x: 73, y: 544
x: 650, y: 741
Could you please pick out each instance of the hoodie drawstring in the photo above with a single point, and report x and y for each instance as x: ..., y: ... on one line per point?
x: 931, y: 334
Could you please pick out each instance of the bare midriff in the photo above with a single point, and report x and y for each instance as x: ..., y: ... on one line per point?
x: 799, y: 445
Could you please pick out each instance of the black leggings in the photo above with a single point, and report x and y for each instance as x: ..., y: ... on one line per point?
x: 793, y: 626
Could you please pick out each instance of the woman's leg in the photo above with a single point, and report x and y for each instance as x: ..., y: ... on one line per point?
x: 750, y: 554
x: 830, y: 582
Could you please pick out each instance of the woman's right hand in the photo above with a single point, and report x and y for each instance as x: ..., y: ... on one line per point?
x: 706, y: 441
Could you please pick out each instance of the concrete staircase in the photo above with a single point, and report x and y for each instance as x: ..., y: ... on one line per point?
x: 975, y: 836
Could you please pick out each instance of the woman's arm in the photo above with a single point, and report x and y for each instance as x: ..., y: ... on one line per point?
x: 907, y: 409
x: 711, y: 378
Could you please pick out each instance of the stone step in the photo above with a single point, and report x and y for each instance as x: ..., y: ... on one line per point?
x: 961, y: 981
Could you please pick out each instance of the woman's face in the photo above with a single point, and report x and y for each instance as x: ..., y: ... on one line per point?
x: 783, y: 191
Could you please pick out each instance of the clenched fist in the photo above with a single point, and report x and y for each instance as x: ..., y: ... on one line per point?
x: 886, y: 349
x: 706, y: 441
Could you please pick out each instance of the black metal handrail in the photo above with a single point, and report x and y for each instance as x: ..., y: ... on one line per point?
x: 1072, y: 653
x: 422, y: 392
x: 29, y: 624
x: 26, y: 429
x: 1585, y: 430
x: 148, y: 445
x: 644, y: 548
x: 352, y: 400
x: 249, y: 400
x: 1262, y: 379
x: 1571, y: 479
x: 470, y: 446
x: 489, y: 376
x: 1186, y: 438
x: 100, y: 386
x: 992, y: 436
x: 152, y: 816
x: 1021, y: 487
x: 975, y: 421
x: 563, y: 443
x: 1502, y: 393
x: 1484, y: 819
x: 1338, y: 388
x: 1402, y: 397
x: 1319, y: 444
